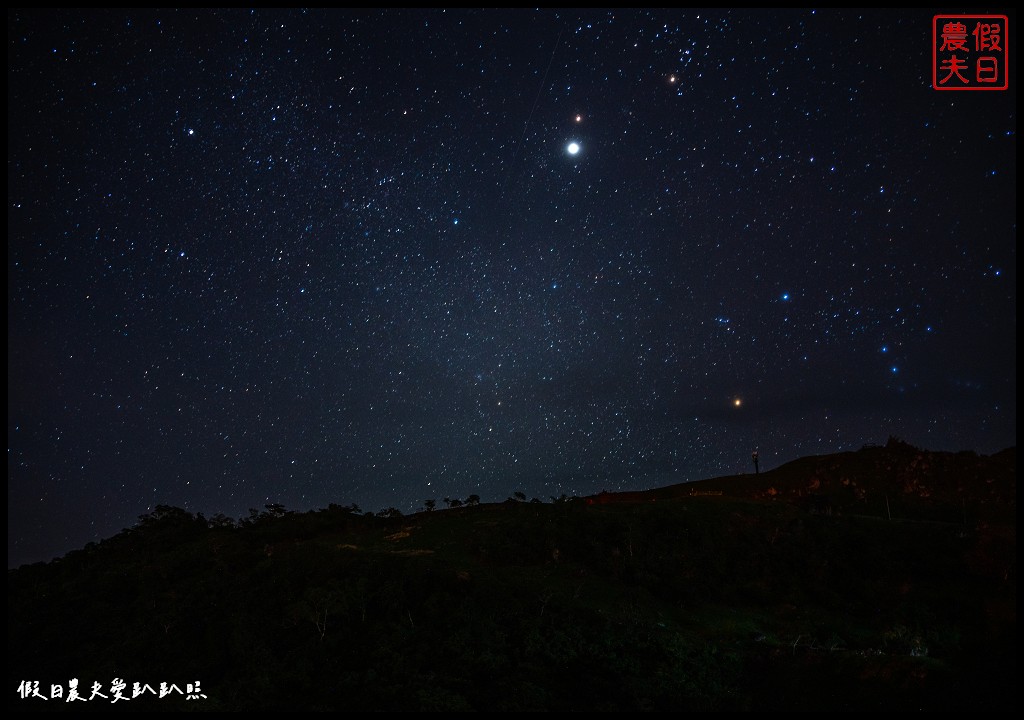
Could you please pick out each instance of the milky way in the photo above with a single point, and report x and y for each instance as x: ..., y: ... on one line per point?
x: 313, y: 257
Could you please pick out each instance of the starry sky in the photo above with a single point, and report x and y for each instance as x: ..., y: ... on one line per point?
x: 318, y: 256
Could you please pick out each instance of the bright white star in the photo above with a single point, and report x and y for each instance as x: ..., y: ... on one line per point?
x: 572, y: 148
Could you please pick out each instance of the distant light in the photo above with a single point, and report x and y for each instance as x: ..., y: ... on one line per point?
x: 737, y: 402
x: 573, y: 148
x: 894, y: 369
x: 579, y: 118
x: 455, y: 221
x: 785, y: 296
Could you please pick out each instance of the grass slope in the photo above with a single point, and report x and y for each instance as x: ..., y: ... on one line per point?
x: 790, y: 590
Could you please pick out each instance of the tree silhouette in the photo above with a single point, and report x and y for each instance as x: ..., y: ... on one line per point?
x: 166, y: 514
x: 352, y: 509
x: 473, y: 500
x: 276, y: 510
x: 168, y: 524
x: 220, y: 520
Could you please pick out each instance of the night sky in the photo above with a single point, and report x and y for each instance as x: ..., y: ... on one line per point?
x: 314, y: 257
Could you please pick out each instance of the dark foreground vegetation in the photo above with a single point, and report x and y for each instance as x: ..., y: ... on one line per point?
x: 878, y: 580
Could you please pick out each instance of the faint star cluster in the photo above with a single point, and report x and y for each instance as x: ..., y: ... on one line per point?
x: 381, y: 256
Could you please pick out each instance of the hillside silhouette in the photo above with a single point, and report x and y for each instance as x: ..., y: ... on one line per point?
x: 882, y: 579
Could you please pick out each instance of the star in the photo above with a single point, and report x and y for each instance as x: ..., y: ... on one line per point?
x: 572, y: 148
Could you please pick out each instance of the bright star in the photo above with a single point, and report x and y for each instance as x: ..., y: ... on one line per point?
x: 572, y: 148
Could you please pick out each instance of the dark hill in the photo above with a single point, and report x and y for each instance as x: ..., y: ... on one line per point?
x: 789, y: 590
x: 896, y: 481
